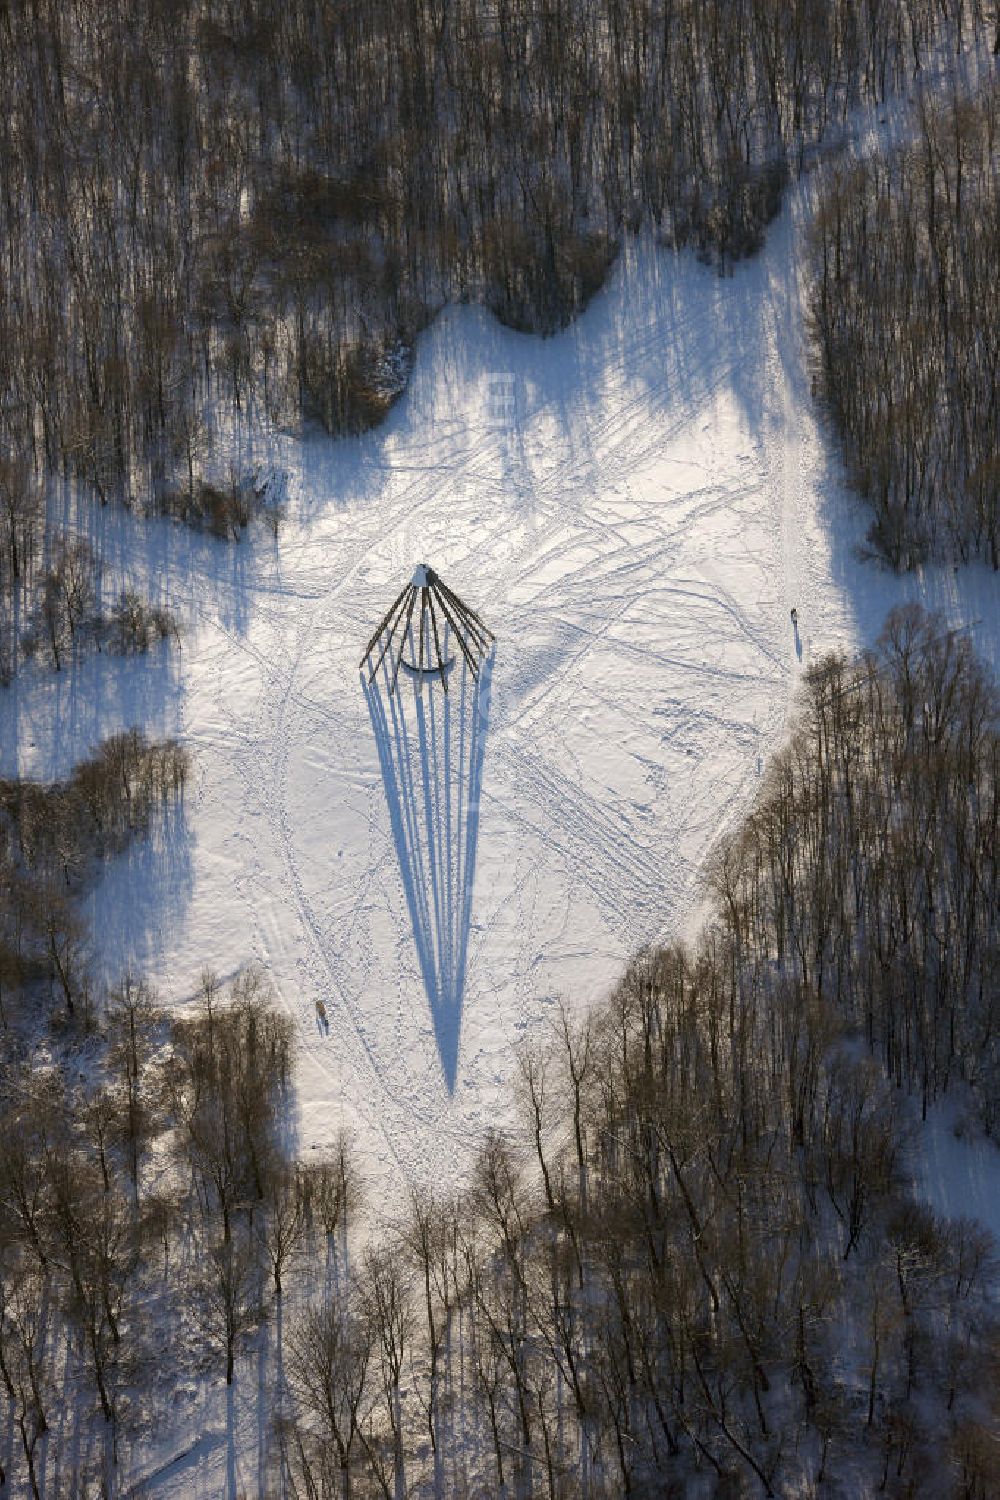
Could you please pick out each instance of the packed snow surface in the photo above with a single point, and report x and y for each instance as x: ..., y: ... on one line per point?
x: 633, y: 507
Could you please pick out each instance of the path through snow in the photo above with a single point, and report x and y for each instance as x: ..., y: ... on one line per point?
x: 633, y: 506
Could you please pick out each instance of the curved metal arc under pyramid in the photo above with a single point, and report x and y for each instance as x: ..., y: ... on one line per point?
x: 425, y: 613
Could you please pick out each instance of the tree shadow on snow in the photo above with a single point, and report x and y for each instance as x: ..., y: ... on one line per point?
x: 142, y: 895
x: 431, y: 746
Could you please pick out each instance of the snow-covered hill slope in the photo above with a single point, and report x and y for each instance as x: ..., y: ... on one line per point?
x: 633, y: 506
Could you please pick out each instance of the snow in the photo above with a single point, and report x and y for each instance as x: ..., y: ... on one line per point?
x: 633, y: 507
x: 954, y: 1168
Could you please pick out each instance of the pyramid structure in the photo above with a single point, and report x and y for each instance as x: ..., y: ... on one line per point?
x: 425, y: 620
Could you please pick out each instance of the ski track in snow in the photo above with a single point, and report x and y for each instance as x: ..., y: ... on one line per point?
x: 635, y: 526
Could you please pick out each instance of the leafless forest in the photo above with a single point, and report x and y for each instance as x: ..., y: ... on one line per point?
x: 699, y: 1258
x: 206, y: 207
x: 52, y: 838
x: 698, y: 1262
x: 906, y: 253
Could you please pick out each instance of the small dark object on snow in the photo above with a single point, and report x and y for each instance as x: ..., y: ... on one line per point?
x: 428, y: 608
x: 795, y: 617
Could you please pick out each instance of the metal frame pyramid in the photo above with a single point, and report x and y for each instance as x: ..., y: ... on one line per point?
x: 440, y: 613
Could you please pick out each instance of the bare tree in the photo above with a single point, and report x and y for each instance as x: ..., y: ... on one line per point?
x: 331, y: 1353
x: 282, y: 1227
x: 229, y: 1294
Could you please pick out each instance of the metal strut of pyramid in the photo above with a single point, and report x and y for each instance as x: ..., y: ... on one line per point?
x: 417, y: 632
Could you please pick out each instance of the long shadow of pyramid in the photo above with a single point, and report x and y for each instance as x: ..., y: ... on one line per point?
x: 431, y: 745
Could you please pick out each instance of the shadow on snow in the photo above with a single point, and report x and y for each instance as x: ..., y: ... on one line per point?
x: 431, y: 746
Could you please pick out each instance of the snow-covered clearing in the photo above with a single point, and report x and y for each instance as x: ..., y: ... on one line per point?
x: 633, y: 507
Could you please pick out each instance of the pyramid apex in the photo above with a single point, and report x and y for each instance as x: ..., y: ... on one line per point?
x: 424, y: 619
